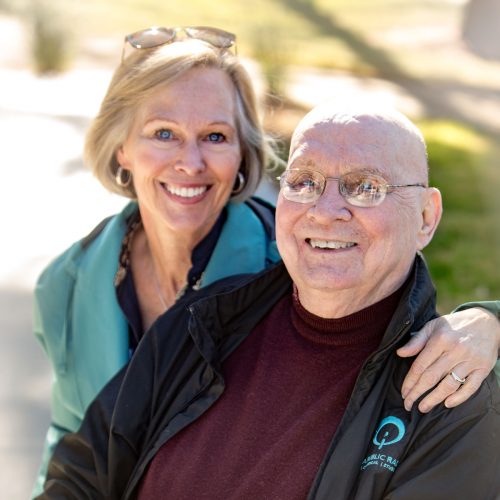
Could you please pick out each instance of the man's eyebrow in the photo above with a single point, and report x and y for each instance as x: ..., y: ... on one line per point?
x: 345, y: 169
x: 364, y: 169
x: 303, y: 164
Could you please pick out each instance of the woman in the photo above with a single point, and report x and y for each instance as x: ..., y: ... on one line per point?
x: 179, y: 133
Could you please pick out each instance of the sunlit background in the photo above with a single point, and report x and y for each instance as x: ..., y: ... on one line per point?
x: 436, y: 60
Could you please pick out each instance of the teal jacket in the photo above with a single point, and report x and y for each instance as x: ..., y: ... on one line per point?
x: 81, y: 326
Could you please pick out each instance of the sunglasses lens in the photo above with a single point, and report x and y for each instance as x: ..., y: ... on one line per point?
x: 301, y: 186
x: 363, y: 190
x: 151, y: 37
x: 214, y: 36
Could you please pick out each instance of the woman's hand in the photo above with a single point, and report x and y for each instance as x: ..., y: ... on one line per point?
x: 465, y: 343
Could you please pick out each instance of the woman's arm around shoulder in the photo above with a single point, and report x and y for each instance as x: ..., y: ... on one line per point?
x: 465, y: 342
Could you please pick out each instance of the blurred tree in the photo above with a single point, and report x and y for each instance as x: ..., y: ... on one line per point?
x: 50, y: 37
x: 270, y: 51
x: 481, y: 27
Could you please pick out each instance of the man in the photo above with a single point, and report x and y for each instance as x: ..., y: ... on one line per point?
x: 284, y: 388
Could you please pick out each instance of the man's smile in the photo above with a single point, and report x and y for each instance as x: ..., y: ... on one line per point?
x: 330, y: 244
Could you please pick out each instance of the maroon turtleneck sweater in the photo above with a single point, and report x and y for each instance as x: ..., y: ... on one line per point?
x: 287, y: 386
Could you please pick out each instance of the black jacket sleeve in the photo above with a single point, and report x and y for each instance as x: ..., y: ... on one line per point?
x: 97, y: 461
x: 80, y: 465
x: 456, y: 454
x: 128, y: 415
x: 78, y: 468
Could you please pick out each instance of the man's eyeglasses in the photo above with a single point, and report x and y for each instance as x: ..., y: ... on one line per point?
x: 360, y: 189
x: 156, y: 36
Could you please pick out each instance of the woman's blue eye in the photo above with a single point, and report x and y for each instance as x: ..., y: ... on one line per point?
x: 216, y: 137
x: 164, y: 134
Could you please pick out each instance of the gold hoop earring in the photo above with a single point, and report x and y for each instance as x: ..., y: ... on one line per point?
x: 123, y: 177
x: 239, y: 184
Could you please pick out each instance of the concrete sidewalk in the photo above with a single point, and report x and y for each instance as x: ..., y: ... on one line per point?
x: 47, y: 202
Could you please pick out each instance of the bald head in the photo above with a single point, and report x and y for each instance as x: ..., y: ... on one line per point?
x: 342, y: 251
x: 364, y: 133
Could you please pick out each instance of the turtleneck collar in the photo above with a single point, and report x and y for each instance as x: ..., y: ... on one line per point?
x: 357, y: 328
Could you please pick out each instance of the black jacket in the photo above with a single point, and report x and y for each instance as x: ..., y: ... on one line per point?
x: 380, y: 451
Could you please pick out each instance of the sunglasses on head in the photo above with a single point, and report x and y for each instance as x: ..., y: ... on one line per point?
x: 155, y: 36
x: 360, y: 189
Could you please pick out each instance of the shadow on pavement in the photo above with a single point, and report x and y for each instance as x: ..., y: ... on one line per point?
x: 24, y: 396
x: 436, y: 97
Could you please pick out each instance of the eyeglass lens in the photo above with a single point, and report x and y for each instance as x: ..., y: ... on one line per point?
x: 357, y: 188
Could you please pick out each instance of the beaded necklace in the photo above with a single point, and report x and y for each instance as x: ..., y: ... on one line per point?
x: 134, y: 226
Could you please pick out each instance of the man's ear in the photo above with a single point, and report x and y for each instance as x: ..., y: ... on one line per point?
x: 432, y: 209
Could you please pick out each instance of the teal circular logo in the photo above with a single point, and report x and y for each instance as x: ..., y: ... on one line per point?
x: 390, y: 431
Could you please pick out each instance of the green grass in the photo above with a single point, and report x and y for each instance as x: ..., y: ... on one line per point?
x: 464, y: 256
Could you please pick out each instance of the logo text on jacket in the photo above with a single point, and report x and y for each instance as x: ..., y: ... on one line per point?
x: 390, y: 431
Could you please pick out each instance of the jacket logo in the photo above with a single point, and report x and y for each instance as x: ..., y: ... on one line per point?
x: 390, y: 431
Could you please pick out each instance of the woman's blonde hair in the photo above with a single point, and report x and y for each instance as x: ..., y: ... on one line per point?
x: 140, y: 75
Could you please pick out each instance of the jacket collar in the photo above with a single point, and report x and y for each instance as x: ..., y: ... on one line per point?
x: 416, y: 306
x: 235, y: 306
